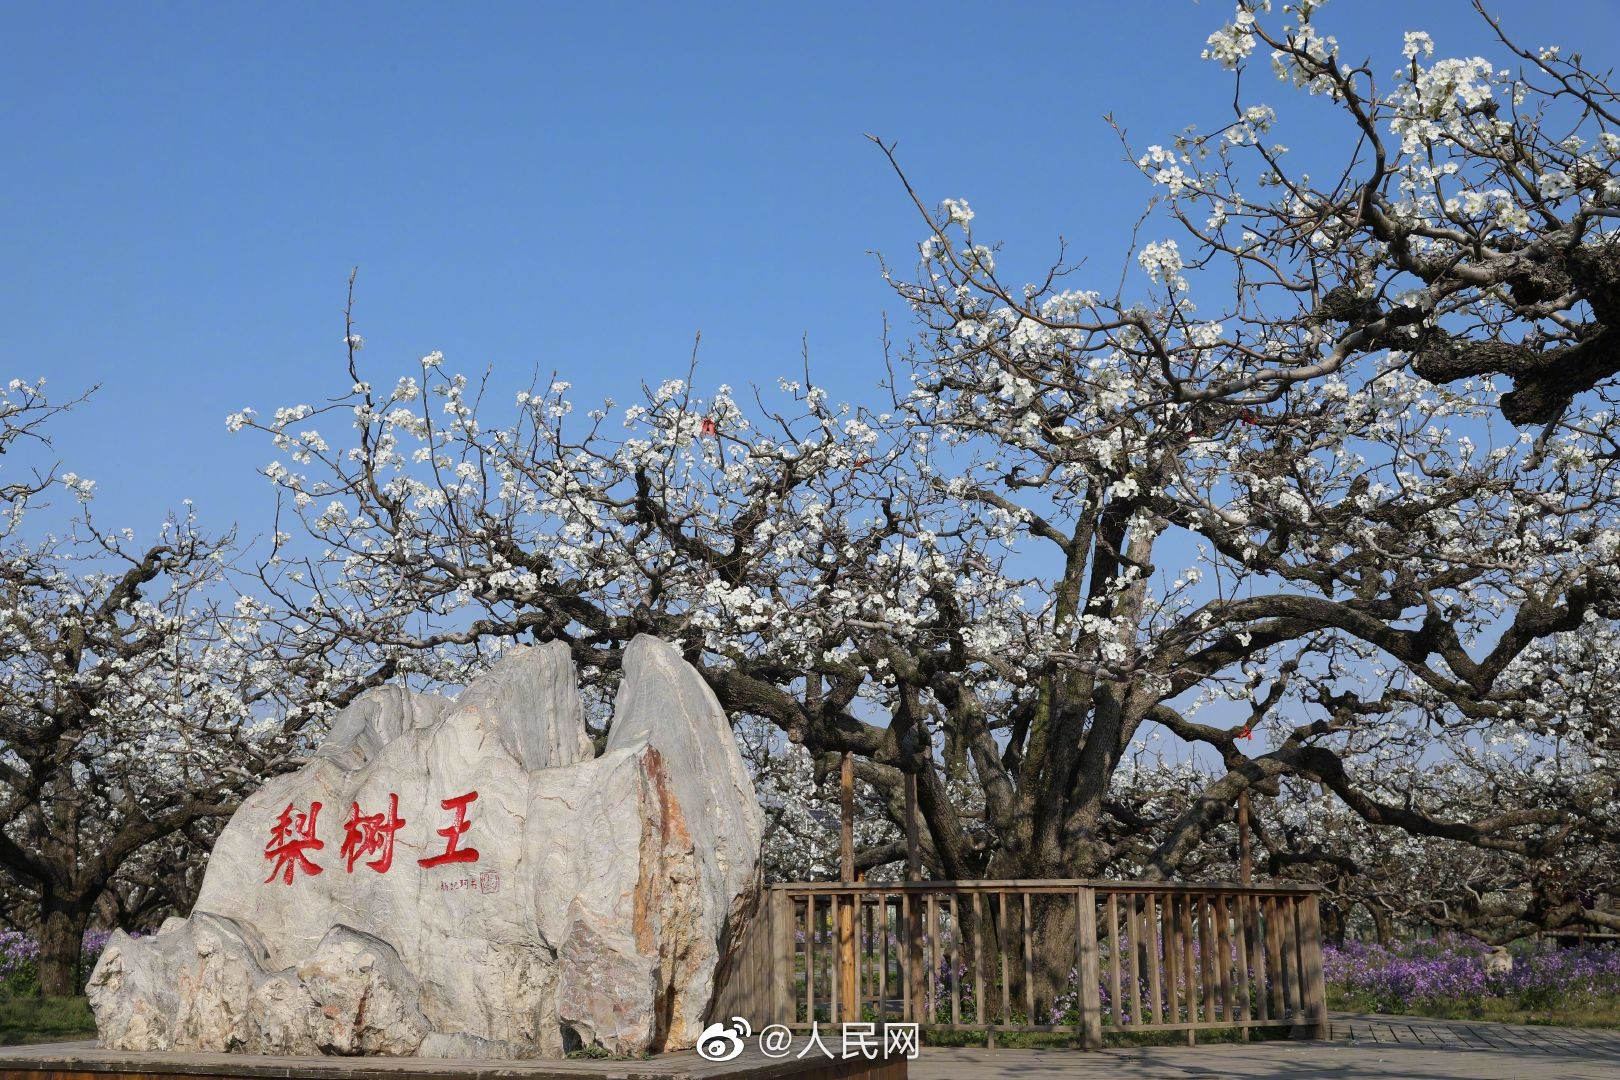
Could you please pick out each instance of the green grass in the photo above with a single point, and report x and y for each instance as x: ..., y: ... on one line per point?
x: 589, y: 1053
x: 597, y: 1053
x: 36, y: 1020
x: 1601, y: 1014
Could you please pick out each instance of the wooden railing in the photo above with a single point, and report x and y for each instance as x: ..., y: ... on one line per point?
x: 1081, y: 957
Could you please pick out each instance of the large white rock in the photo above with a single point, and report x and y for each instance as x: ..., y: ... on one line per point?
x: 473, y: 882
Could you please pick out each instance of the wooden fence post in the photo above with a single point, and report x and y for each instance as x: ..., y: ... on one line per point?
x: 782, y: 959
x: 916, y: 972
x: 1312, y: 1020
x: 849, y: 969
x: 1088, y: 994
x: 915, y: 978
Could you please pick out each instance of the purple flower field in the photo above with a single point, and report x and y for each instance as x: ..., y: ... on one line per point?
x: 19, y: 955
x: 1446, y: 976
x: 17, y: 952
x: 1450, y: 973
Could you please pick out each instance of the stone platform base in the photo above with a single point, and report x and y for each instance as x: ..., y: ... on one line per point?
x: 86, y: 1061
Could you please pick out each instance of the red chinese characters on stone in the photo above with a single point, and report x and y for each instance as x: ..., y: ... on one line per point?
x: 452, y: 834
x: 291, y: 836
x: 371, y: 834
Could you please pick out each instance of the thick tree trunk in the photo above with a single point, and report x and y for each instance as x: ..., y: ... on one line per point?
x: 1052, y: 927
x: 61, y: 944
x: 1051, y: 937
x: 1333, y: 923
x: 1381, y: 925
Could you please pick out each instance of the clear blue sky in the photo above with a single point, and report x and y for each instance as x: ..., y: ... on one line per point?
x: 185, y: 187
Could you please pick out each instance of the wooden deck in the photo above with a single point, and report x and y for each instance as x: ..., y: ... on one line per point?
x: 86, y: 1061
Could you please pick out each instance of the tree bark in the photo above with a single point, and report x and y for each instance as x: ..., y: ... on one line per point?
x: 1382, y: 928
x: 61, y: 943
x: 1333, y: 922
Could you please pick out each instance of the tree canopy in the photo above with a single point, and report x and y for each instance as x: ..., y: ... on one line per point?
x: 1315, y: 501
x: 1323, y: 489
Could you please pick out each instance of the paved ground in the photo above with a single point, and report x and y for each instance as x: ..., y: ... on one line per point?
x: 1360, y: 1046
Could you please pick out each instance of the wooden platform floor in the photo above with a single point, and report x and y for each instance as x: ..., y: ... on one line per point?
x: 86, y: 1061
x: 1359, y: 1047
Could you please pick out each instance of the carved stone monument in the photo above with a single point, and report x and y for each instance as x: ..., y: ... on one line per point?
x: 464, y: 879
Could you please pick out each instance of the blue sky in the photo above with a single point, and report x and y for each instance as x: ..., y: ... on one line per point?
x: 528, y: 186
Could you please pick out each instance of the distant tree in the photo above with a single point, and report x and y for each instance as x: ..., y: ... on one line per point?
x: 800, y: 795
x: 139, y: 701
x: 124, y: 714
x: 24, y: 412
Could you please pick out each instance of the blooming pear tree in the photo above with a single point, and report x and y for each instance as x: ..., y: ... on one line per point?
x: 1321, y: 493
x: 24, y: 411
x: 1380, y: 881
x: 123, y: 713
x: 1272, y: 480
x: 140, y: 698
x: 1494, y: 893
x: 800, y: 557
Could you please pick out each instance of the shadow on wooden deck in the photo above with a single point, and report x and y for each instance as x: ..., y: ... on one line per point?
x: 85, y: 1061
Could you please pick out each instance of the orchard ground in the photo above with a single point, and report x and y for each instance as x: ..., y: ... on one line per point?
x: 1357, y: 1047
x: 1428, y: 1008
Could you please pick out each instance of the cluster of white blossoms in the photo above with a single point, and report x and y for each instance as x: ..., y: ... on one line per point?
x: 1161, y: 259
x: 1231, y: 44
